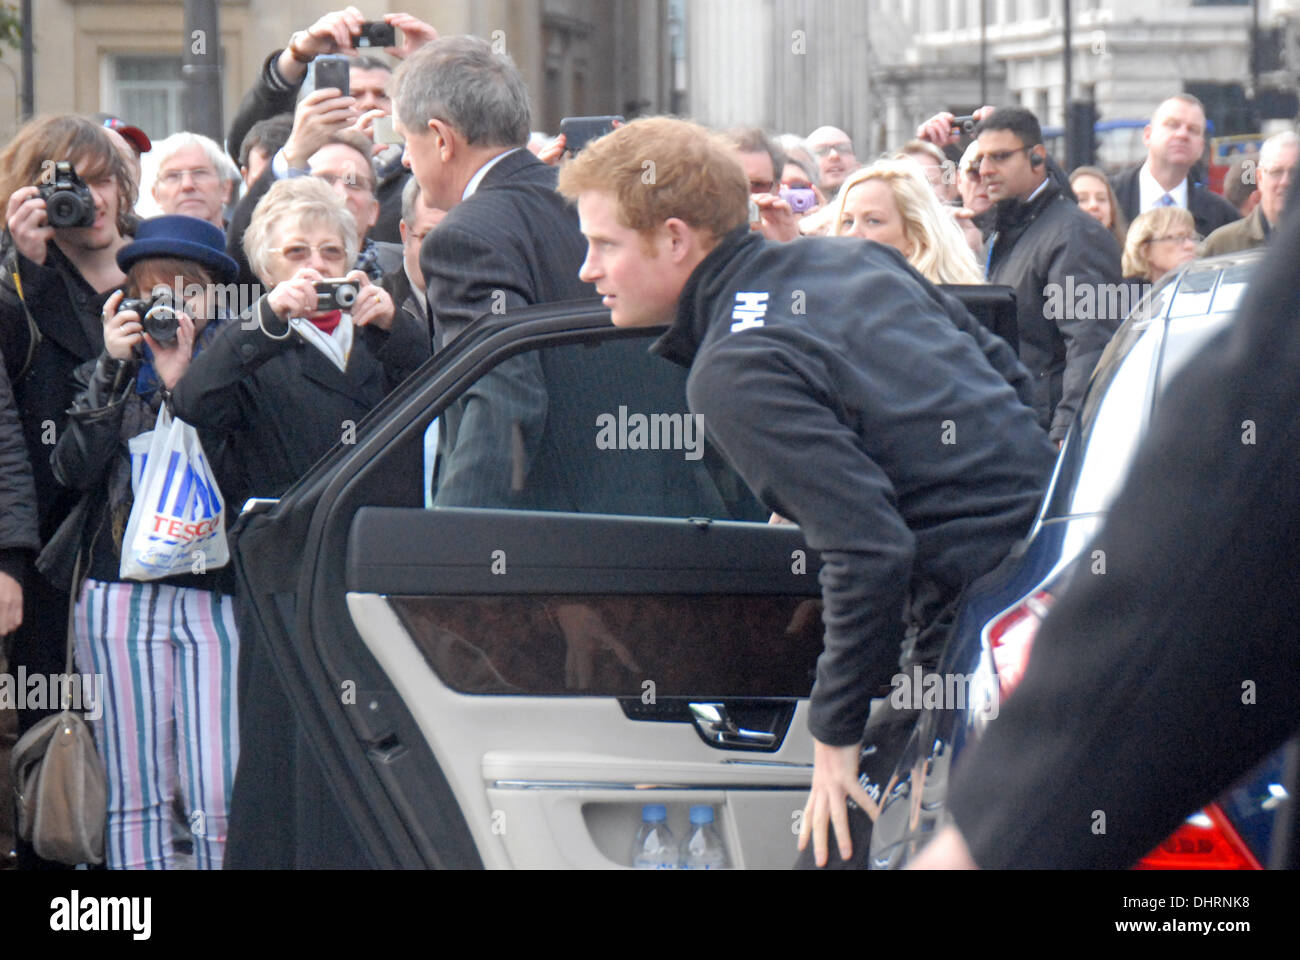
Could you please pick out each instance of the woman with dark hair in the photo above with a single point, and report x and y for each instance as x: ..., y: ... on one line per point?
x: 167, y: 649
x: 1096, y: 198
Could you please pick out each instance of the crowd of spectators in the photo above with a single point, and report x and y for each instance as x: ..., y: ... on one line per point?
x: 306, y: 189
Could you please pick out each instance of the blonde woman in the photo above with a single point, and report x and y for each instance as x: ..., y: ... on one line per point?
x: 891, y: 202
x: 1158, y: 241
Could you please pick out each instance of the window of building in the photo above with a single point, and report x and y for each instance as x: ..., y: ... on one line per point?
x: 148, y: 91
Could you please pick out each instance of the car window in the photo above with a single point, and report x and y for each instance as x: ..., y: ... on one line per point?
x: 1112, y: 419
x: 600, y: 427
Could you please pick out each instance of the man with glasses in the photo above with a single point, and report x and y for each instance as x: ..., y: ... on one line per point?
x: 833, y: 149
x: 194, y: 178
x: 1042, y: 245
x: 764, y: 163
x: 1277, y: 160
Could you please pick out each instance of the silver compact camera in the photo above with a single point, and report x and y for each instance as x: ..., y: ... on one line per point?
x: 335, y: 294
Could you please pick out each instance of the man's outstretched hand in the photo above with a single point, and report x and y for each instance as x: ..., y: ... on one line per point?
x: 835, y: 777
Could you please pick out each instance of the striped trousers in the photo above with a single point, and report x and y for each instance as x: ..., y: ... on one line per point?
x: 167, y: 658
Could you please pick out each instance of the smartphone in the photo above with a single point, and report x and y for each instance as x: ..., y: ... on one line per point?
x: 579, y: 131
x: 375, y: 33
x: 384, y: 132
x: 332, y: 71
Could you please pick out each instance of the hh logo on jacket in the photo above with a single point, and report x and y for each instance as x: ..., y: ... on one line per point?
x: 750, y: 310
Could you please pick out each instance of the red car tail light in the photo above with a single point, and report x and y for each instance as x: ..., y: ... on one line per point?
x: 1011, y: 637
x: 1207, y: 841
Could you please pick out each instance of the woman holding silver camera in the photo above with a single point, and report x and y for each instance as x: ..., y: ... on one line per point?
x: 307, y: 361
x: 166, y: 649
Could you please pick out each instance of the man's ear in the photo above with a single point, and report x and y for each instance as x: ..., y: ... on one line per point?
x: 682, y: 240
x: 444, y: 139
x: 373, y: 217
x: 402, y: 231
x: 1146, y: 136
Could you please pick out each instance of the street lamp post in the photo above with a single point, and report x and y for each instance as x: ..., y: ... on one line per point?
x: 202, y: 69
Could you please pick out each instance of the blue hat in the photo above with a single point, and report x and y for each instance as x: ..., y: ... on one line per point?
x: 188, y: 238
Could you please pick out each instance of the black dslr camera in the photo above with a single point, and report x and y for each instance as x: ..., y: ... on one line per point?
x: 157, y: 315
x: 68, y: 201
x: 335, y: 294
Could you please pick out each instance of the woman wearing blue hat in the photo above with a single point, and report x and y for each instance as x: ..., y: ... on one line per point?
x: 166, y: 649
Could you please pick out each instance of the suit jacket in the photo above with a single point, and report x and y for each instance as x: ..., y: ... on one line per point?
x: 1244, y: 234
x: 514, y: 243
x: 1208, y: 209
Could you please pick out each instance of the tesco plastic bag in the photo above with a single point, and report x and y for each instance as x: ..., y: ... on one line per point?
x: 178, y: 521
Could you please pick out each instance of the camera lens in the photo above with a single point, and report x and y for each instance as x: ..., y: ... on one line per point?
x: 345, y: 295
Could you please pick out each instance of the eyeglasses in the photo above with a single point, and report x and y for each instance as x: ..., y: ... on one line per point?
x: 348, y: 180
x: 999, y: 157
x: 201, y: 176
x: 844, y: 149
x: 1276, y: 172
x: 298, y: 252
x: 1177, y: 238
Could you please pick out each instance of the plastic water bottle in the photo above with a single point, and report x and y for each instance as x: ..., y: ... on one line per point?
x: 654, y: 847
x: 702, y: 849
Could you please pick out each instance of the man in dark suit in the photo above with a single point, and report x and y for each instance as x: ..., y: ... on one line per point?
x: 523, y: 436
x: 1175, y: 141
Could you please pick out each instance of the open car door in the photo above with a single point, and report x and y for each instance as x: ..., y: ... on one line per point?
x: 507, y: 687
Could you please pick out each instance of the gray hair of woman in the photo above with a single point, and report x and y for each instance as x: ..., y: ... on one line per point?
x: 297, y: 202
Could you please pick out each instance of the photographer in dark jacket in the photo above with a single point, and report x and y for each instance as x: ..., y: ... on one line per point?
x: 852, y: 396
x: 1051, y: 252
x: 19, y: 538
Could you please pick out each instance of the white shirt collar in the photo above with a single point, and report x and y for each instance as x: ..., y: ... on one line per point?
x: 477, y: 179
x: 415, y: 288
x: 1150, y: 192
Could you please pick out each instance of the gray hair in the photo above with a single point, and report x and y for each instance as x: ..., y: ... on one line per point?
x: 1275, y: 144
x: 291, y: 203
x: 410, y: 197
x: 165, y: 149
x: 461, y: 81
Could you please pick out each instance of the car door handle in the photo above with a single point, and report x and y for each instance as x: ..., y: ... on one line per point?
x: 716, y: 726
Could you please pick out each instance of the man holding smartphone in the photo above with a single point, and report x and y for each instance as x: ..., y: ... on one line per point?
x: 347, y: 33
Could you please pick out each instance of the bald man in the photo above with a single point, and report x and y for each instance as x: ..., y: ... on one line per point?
x: 833, y: 149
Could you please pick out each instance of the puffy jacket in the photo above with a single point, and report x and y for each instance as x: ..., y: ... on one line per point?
x: 865, y: 404
x: 1050, y: 251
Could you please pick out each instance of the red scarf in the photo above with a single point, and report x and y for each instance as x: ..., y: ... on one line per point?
x: 327, y: 322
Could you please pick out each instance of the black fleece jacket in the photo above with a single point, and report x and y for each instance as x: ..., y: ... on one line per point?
x: 865, y: 404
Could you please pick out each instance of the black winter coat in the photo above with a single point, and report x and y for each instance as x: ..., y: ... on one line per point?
x: 66, y: 312
x: 281, y: 403
x: 1050, y: 251
x: 860, y: 401
x: 19, y: 537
